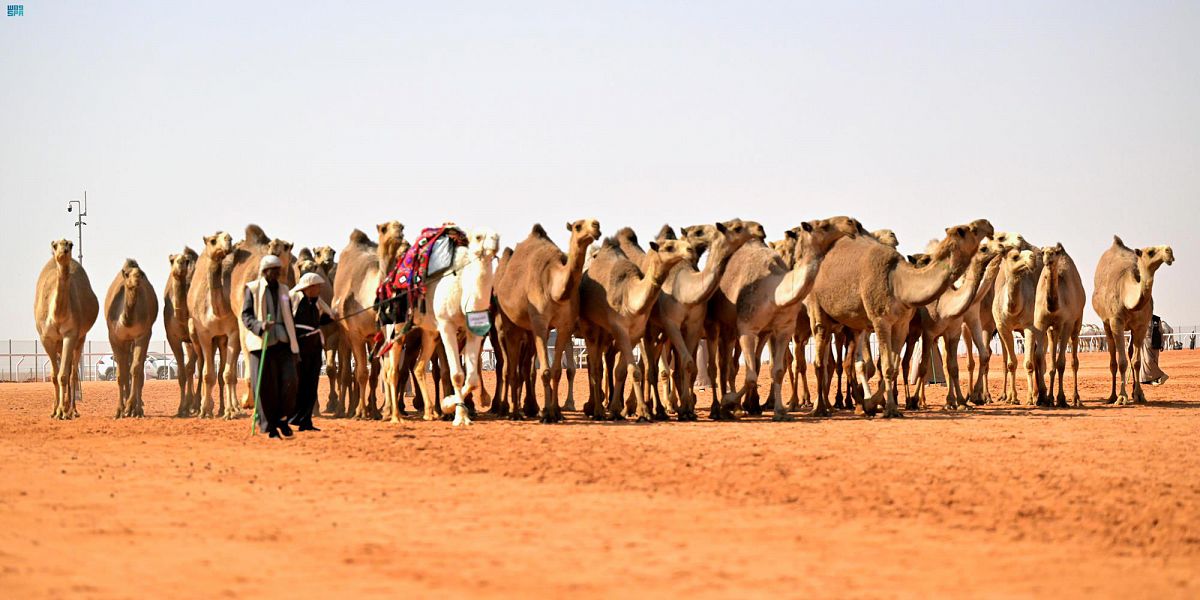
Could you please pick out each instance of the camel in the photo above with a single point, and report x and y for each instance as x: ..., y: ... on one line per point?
x: 1058, y: 311
x: 759, y: 298
x: 942, y: 321
x: 679, y: 314
x: 363, y: 264
x: 242, y: 265
x: 177, y: 323
x: 539, y: 291
x: 1122, y: 297
x: 325, y: 257
x: 616, y: 297
x: 466, y: 288
x: 130, y: 308
x: 866, y: 285
x: 215, y: 323
x: 1013, y: 309
x: 979, y: 325
x: 64, y: 310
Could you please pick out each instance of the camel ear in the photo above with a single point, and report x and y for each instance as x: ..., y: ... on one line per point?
x: 171, y: 259
x: 569, y: 228
x: 791, y: 233
x: 654, y: 246
x: 1138, y: 251
x: 380, y: 228
x: 1059, y: 247
x: 54, y: 246
x: 807, y: 226
x: 722, y: 228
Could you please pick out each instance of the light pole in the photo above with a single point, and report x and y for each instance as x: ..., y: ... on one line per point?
x: 79, y: 222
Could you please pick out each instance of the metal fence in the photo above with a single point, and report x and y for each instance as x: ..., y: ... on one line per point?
x: 26, y: 360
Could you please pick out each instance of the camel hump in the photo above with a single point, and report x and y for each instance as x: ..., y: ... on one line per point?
x: 627, y: 233
x: 256, y: 235
x: 666, y: 233
x: 305, y: 254
x: 508, y: 252
x: 538, y: 231
x: 360, y: 238
x: 191, y: 254
x: 1118, y: 242
x: 130, y: 264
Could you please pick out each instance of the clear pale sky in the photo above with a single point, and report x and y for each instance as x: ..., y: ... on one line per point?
x: 1065, y: 121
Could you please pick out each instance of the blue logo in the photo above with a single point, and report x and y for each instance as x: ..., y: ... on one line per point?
x: 16, y: 10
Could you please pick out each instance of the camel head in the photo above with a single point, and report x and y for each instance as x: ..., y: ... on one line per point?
x: 756, y: 230
x: 919, y: 259
x: 483, y: 243
x: 307, y: 265
x: 584, y: 232
x: 961, y: 243
x: 391, y: 239
x: 61, y: 251
x: 671, y: 252
x: 887, y: 237
x: 181, y: 264
x: 819, y: 235
x: 733, y: 234
x: 1005, y: 240
x: 324, y: 255
x: 132, y: 274
x: 282, y: 249
x: 218, y: 245
x: 1052, y: 256
x: 1017, y: 262
x: 1153, y: 257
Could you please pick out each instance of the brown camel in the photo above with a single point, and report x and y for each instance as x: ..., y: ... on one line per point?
x: 616, y: 298
x: 177, y: 322
x: 325, y: 258
x: 363, y: 264
x: 677, y: 322
x: 941, y: 321
x: 537, y: 292
x: 215, y: 324
x: 242, y: 265
x: 64, y: 310
x: 866, y: 285
x: 1058, y: 311
x: 979, y: 325
x: 1122, y: 297
x: 759, y: 299
x: 130, y: 309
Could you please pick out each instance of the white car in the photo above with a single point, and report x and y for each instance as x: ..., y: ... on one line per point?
x: 158, y: 366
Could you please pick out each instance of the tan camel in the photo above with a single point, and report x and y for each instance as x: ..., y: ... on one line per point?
x: 677, y: 321
x: 866, y: 285
x: 759, y: 298
x: 1058, y: 311
x: 1123, y: 299
x: 242, y: 265
x: 979, y: 325
x: 215, y: 324
x: 616, y: 298
x: 177, y: 323
x: 537, y: 292
x: 362, y: 266
x: 941, y: 321
x: 130, y: 309
x: 1013, y: 307
x: 64, y: 310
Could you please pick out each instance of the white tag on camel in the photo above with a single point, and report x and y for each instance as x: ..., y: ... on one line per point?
x: 478, y: 323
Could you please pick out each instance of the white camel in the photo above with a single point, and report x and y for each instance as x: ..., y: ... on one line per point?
x: 465, y: 288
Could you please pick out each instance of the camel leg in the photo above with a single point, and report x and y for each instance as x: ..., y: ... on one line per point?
x: 362, y: 373
x: 1137, y: 335
x: 498, y: 364
x: 76, y: 385
x: 789, y: 370
x: 568, y: 354
x: 548, y: 370
x: 463, y: 382
x: 624, y: 359
x: 1032, y: 356
x: 862, y: 364
x: 650, y: 366
x: 135, y: 407
x: 1010, y: 367
x: 181, y: 376
x: 512, y: 349
x: 779, y: 346
x: 713, y: 376
x: 66, y: 367
x: 1112, y: 360
x: 889, y: 356
x: 1075, y: 364
x: 123, y: 357
x: 54, y: 351
x: 748, y: 342
x: 208, y: 354
x: 1060, y: 366
x: 424, y: 378
x: 949, y: 347
x: 823, y: 366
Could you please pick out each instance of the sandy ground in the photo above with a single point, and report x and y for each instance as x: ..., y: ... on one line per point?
x: 997, y: 502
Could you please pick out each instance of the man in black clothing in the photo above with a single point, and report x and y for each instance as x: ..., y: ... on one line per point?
x: 267, y: 313
x: 309, y: 313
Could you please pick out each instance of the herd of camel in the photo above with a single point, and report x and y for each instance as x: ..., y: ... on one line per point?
x: 828, y: 280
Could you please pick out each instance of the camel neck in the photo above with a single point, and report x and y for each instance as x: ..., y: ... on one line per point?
x: 62, y: 293
x: 216, y: 288
x: 565, y: 277
x: 915, y: 286
x: 646, y: 290
x: 130, y: 303
x: 477, y: 277
x: 177, y: 291
x: 954, y: 302
x: 1050, y: 276
x: 798, y: 280
x: 1014, y: 292
x: 692, y: 287
x: 1139, y: 289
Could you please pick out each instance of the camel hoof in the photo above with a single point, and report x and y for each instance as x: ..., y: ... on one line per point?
x: 548, y: 418
x: 569, y: 406
x: 642, y: 419
x: 782, y: 417
x: 1077, y: 403
x: 893, y: 413
x: 821, y: 411
x: 913, y: 403
x: 950, y: 406
x: 516, y: 415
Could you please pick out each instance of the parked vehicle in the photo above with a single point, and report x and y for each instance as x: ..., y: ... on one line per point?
x: 158, y: 366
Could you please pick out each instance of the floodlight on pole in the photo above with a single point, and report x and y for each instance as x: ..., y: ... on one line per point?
x: 79, y: 221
